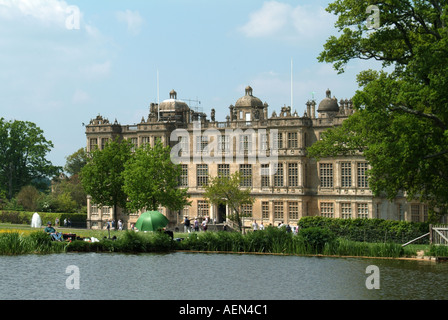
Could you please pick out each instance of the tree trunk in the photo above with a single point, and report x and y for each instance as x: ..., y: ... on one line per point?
x: 237, y: 218
x: 115, y: 217
x: 10, y: 186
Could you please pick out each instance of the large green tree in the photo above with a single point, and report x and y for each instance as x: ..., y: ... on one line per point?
x: 226, y: 190
x: 76, y: 161
x: 102, y: 176
x: 401, y: 119
x: 23, y: 151
x: 151, y: 180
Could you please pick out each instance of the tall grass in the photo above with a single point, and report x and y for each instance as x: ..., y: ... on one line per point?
x: 15, y: 243
x: 438, y: 251
x: 127, y: 242
x: 272, y: 240
x: 277, y: 241
x: 343, y: 247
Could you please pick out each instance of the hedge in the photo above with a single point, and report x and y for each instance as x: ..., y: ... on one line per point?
x: 78, y: 220
x: 369, y: 230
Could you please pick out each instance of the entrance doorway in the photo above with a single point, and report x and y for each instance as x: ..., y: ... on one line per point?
x: 221, y: 213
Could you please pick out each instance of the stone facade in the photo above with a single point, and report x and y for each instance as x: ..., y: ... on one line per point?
x: 269, y: 150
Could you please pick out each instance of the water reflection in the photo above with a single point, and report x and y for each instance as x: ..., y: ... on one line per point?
x: 188, y: 276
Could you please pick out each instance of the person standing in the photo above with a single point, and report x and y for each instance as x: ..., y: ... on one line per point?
x: 186, y: 225
x: 255, y: 225
x: 120, y: 225
x: 196, y: 224
x: 108, y: 227
x: 261, y: 226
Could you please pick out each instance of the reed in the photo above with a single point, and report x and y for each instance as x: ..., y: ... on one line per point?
x: 15, y: 243
x: 272, y: 240
x: 438, y: 251
x: 344, y: 247
x: 279, y: 242
x: 127, y: 242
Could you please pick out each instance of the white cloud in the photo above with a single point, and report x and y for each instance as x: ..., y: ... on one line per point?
x: 48, y: 12
x: 133, y: 20
x: 267, y: 21
x: 310, y: 22
x: 281, y: 20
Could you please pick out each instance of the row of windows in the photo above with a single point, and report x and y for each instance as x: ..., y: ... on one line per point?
x: 327, y: 177
x: 327, y: 209
x: 93, y: 142
x: 246, y: 170
x: 292, y: 175
x: 245, y: 142
x: 419, y: 213
x: 104, y: 210
x: 292, y: 207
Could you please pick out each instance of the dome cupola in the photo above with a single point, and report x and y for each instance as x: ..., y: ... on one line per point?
x: 328, y: 104
x: 249, y: 100
x: 172, y: 104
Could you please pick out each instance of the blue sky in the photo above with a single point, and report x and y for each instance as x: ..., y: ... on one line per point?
x: 60, y: 78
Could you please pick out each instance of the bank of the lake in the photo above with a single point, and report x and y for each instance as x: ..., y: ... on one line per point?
x: 271, y: 241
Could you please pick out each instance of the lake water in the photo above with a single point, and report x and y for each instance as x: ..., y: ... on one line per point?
x: 193, y: 276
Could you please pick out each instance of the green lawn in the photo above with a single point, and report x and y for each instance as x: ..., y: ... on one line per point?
x: 83, y: 233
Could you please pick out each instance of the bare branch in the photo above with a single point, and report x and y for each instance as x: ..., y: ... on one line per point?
x: 436, y: 154
x: 431, y: 116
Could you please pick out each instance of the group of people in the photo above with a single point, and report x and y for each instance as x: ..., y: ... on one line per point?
x: 288, y: 228
x: 188, y: 225
x: 67, y: 222
x: 111, y: 224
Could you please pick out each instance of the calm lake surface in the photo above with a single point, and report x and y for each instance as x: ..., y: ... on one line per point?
x: 193, y: 276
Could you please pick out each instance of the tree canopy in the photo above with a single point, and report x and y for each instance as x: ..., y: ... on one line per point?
x: 141, y: 180
x: 152, y: 180
x: 102, y: 177
x: 23, y: 151
x: 76, y: 161
x: 401, y: 121
x: 226, y: 190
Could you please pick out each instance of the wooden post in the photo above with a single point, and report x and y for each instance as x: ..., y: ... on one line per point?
x: 430, y: 234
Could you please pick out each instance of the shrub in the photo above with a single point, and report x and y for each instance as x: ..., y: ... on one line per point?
x: 316, y: 238
x: 369, y: 230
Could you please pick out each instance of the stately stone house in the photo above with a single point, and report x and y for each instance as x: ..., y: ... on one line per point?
x: 270, y: 152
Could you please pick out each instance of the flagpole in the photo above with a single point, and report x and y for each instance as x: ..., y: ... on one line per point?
x: 158, y: 97
x: 292, y: 88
